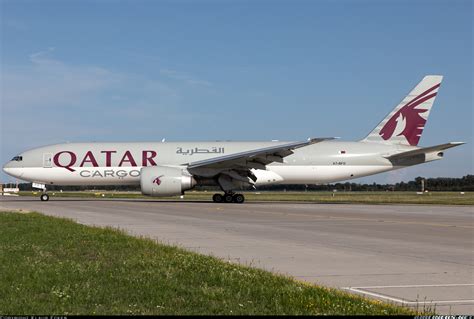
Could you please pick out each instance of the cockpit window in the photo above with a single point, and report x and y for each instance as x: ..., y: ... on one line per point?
x: 17, y: 158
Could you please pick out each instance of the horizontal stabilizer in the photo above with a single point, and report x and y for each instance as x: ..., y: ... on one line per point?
x: 424, y: 150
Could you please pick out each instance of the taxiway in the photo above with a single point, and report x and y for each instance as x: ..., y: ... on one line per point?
x: 422, y: 256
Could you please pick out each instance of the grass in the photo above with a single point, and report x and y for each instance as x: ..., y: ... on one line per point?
x: 431, y: 198
x: 53, y: 265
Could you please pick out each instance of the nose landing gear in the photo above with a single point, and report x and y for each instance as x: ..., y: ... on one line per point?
x: 228, y: 198
x: 44, y: 197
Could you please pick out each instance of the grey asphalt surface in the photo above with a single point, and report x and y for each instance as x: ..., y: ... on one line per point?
x: 418, y: 255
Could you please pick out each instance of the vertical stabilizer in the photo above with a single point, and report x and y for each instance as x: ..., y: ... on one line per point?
x: 405, y: 124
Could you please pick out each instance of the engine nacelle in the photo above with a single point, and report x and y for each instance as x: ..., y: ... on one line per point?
x: 165, y: 181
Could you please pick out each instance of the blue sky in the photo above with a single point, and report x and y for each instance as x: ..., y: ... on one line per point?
x: 240, y: 70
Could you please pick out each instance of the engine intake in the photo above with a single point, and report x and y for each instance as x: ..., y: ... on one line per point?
x: 165, y: 181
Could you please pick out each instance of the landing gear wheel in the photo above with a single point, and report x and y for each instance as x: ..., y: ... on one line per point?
x: 228, y: 198
x: 238, y: 198
x: 44, y: 197
x: 217, y: 198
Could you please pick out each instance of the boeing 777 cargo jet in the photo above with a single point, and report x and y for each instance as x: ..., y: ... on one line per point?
x: 166, y: 169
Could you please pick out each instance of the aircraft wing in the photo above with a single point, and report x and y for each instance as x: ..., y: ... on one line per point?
x: 257, y: 158
x: 424, y: 150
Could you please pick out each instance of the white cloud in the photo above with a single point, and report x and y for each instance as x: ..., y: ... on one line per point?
x: 48, y: 83
x: 187, y: 78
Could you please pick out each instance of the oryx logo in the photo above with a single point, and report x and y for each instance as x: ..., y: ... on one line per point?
x: 408, y: 121
x: 157, y: 180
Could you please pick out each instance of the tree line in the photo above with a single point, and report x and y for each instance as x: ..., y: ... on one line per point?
x: 465, y: 183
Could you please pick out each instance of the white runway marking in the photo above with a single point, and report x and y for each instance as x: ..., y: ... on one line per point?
x: 362, y: 290
x: 411, y: 286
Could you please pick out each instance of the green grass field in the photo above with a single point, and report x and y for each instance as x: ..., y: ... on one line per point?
x: 433, y: 198
x: 55, y: 266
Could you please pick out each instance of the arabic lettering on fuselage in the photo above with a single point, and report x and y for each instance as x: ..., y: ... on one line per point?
x: 196, y: 150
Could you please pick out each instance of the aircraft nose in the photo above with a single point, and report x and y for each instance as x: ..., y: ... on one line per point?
x: 9, y: 169
x: 6, y: 168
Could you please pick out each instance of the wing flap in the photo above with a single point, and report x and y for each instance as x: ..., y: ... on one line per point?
x: 257, y: 158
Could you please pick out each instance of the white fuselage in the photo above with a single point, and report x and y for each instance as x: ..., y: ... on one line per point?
x: 121, y: 163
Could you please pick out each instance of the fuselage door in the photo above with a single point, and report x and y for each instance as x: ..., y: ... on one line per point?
x: 47, y: 160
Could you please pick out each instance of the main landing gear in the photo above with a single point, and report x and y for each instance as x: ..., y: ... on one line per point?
x: 228, y: 198
x: 44, y: 197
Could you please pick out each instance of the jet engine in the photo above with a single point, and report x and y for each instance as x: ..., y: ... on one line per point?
x: 165, y: 181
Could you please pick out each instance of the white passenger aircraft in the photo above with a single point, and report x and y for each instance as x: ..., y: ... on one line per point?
x: 165, y: 169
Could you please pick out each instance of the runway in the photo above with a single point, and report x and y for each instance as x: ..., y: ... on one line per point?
x: 417, y: 255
